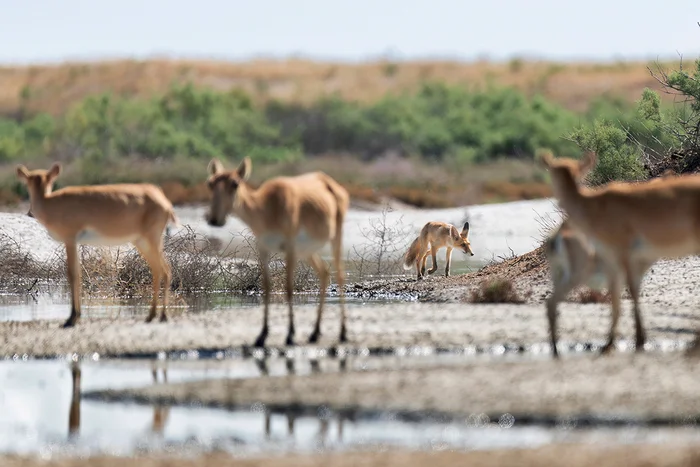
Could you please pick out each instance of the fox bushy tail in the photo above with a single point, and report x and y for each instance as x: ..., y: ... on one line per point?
x: 412, y: 254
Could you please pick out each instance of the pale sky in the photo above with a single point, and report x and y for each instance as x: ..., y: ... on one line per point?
x: 57, y: 30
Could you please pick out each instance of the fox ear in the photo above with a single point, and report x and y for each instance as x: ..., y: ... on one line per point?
x: 465, y: 230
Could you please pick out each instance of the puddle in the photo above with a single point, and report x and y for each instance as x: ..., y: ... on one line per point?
x: 28, y: 307
x: 42, y: 412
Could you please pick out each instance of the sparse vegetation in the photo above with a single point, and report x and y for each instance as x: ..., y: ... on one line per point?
x: 197, y: 264
x: 164, y: 128
x: 382, y: 253
x: 588, y: 295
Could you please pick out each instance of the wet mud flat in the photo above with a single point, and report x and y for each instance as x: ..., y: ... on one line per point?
x: 374, y: 328
x: 624, y: 389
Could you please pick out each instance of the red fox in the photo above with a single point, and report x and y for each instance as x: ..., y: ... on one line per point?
x: 433, y: 236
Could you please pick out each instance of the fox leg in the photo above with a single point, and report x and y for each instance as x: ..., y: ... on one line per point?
x: 448, y: 258
x: 424, y: 262
x: 433, y: 254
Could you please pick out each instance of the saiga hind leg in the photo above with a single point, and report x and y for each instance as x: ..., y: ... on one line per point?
x: 323, y: 273
x: 340, y: 277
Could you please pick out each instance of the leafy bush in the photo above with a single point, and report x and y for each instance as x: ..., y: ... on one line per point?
x: 447, y: 124
x: 618, y: 159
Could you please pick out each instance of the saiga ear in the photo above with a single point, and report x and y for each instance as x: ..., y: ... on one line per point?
x: 244, y: 169
x: 588, y: 161
x: 215, y: 167
x: 22, y: 173
x: 545, y: 160
x: 54, y: 171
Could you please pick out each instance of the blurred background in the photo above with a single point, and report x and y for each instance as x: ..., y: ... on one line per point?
x: 428, y: 104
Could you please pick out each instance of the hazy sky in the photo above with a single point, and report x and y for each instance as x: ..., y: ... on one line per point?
x: 55, y: 30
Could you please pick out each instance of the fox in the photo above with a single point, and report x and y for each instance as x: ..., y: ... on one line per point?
x: 433, y: 236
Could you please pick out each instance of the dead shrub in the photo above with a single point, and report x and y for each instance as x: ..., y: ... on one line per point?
x: 195, y: 260
x: 242, y: 271
x: 588, y: 295
x: 382, y: 253
x: 496, y: 290
x: 20, y: 271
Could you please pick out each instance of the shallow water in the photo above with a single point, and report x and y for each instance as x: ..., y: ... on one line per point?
x: 41, y: 412
x: 28, y: 307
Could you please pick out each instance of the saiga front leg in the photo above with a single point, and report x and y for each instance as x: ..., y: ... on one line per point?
x: 75, y: 282
x: 264, y: 264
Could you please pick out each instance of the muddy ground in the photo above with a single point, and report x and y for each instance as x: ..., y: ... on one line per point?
x: 380, y: 327
x: 569, y: 455
x: 669, y: 299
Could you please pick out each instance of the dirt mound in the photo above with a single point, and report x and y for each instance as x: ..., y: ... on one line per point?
x: 529, y: 274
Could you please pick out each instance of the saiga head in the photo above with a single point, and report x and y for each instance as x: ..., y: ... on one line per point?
x: 224, y: 187
x: 39, y: 182
x: 464, y: 243
x: 563, y: 169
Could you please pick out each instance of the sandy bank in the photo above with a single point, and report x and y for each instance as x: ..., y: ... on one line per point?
x: 572, y: 455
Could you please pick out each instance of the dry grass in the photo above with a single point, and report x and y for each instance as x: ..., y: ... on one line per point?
x: 20, y: 272
x: 496, y: 290
x: 587, y: 295
x: 198, y: 267
x: 410, y: 180
x: 54, y: 88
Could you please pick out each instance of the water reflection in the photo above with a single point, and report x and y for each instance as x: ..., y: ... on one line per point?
x: 324, y: 418
x: 31, y: 307
x: 160, y: 411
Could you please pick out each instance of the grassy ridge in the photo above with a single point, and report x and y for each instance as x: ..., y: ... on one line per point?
x: 54, y: 88
x: 430, y: 134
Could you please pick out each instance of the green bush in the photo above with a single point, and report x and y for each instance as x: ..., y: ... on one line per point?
x: 618, y: 159
x: 447, y: 124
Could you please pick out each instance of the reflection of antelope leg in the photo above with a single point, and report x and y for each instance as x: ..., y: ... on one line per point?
x: 262, y: 366
x: 290, y: 366
x: 343, y: 364
x: 323, y: 432
x: 268, y: 415
x: 74, y: 413
x: 160, y: 412
x: 315, y: 366
x: 291, y: 418
x: 341, y: 423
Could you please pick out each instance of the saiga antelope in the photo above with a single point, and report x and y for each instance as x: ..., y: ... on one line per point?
x: 296, y: 216
x: 572, y: 262
x: 432, y: 237
x: 106, y: 215
x: 631, y: 225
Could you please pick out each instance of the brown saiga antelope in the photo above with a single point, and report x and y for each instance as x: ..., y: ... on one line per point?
x: 432, y: 237
x: 296, y: 216
x: 631, y: 225
x: 106, y: 215
x: 572, y: 262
